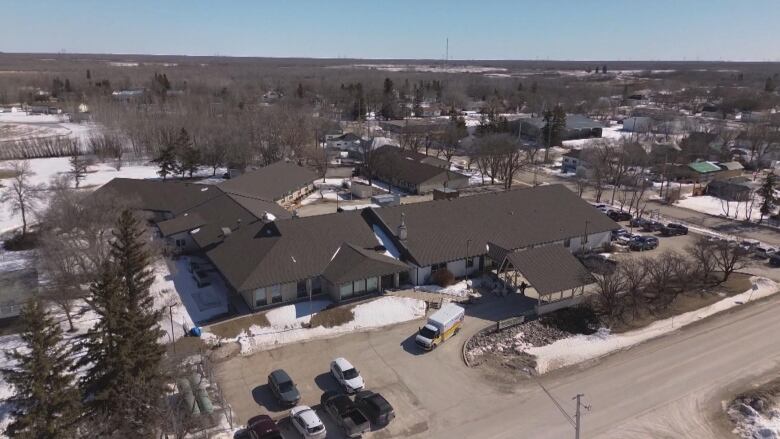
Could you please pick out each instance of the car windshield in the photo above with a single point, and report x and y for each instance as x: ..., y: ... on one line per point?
x: 428, y: 333
x: 286, y: 386
x: 315, y: 429
x: 350, y: 373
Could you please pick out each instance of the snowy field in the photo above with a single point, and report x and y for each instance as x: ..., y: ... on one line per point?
x: 579, y: 348
x: 287, y: 323
x: 99, y: 174
x: 717, y: 207
x: 20, y: 125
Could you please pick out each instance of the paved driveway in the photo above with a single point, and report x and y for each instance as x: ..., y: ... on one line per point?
x: 418, y: 384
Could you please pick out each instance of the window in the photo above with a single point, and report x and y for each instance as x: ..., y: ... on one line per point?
x: 567, y: 242
x: 371, y: 284
x: 360, y: 286
x: 276, y: 294
x: 469, y: 262
x: 345, y: 291
x: 180, y: 243
x: 302, y: 289
x: 437, y: 267
x: 260, y: 298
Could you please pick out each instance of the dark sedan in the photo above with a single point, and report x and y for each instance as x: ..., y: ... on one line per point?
x: 641, y: 243
x: 283, y: 387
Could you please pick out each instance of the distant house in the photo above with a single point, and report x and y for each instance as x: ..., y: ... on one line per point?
x: 281, y: 182
x: 578, y: 126
x: 343, y: 142
x: 704, y: 171
x: 730, y: 170
x: 733, y: 189
x: 572, y: 161
x: 411, y: 172
x: 415, y: 125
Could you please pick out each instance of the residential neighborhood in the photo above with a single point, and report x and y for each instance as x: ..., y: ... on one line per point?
x: 240, y: 223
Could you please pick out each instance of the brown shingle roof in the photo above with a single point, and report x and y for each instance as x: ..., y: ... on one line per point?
x: 396, y: 166
x: 550, y: 268
x: 270, y: 182
x: 181, y: 223
x: 438, y: 230
x: 162, y: 196
x: 351, y: 263
x: 289, y: 250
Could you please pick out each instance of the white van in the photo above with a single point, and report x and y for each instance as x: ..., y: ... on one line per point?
x: 441, y: 325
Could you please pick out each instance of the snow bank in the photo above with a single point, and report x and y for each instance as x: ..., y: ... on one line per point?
x: 460, y: 289
x: 751, y: 423
x: 287, y: 322
x: 715, y: 206
x: 581, y: 348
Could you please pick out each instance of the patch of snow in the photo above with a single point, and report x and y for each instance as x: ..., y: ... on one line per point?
x: 390, y: 248
x: 754, y: 424
x: 715, y: 206
x: 460, y: 289
x: 287, y: 323
x: 579, y: 348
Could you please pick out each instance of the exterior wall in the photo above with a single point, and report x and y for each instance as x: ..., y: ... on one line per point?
x: 440, y: 183
x: 289, y: 293
x: 595, y: 240
x: 189, y: 243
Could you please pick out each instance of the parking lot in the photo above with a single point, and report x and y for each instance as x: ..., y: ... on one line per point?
x: 417, y: 384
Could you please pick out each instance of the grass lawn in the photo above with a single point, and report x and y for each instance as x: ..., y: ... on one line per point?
x: 688, y: 301
x: 231, y: 328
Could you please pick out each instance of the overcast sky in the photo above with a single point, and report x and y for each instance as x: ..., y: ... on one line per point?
x: 487, y: 29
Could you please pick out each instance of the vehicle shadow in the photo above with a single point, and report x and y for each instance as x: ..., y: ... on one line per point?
x: 325, y: 382
x: 264, y: 397
x: 410, y: 346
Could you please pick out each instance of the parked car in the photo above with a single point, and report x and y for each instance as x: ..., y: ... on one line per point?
x: 774, y: 260
x: 375, y: 407
x: 652, y: 226
x: 201, y: 278
x: 346, y: 375
x: 346, y: 413
x: 308, y: 424
x: 637, y: 222
x: 618, y: 233
x: 619, y: 215
x: 763, y: 252
x: 673, y: 229
x: 283, y: 387
x: 260, y: 427
x: 641, y: 243
x: 625, y: 239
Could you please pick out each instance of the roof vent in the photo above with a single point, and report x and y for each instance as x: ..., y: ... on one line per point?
x: 226, y: 231
x: 402, y: 228
x: 269, y: 217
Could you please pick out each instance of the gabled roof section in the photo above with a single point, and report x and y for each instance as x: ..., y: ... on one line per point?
x: 351, y: 263
x: 704, y: 167
x: 550, y: 269
x: 160, y: 196
x: 440, y: 231
x: 263, y: 254
x: 271, y: 182
x: 182, y: 223
x: 393, y: 164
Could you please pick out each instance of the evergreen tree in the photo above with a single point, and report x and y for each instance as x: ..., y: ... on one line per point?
x: 769, y: 85
x: 78, y: 168
x: 604, y: 69
x: 188, y: 155
x: 389, y: 101
x: 299, y: 93
x: 555, y: 123
x: 166, y: 160
x: 767, y: 193
x: 124, y: 382
x: 45, y: 402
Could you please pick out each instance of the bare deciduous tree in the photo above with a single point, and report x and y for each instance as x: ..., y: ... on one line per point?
x: 19, y: 193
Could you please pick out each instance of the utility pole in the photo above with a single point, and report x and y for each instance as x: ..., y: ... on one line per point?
x: 578, y: 415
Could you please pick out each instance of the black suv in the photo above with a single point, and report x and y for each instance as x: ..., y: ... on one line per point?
x: 375, y: 407
x: 673, y: 229
x: 619, y: 215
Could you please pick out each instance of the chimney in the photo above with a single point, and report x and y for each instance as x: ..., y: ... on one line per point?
x: 238, y: 224
x: 402, y: 229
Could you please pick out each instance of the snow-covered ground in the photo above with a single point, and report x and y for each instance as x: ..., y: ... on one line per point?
x: 710, y: 205
x: 21, y: 125
x: 460, y: 289
x: 287, y: 323
x: 613, y: 132
x: 579, y: 348
x: 752, y: 424
x: 99, y: 174
x: 198, y: 303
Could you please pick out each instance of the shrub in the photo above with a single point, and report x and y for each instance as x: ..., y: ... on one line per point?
x: 443, y: 278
